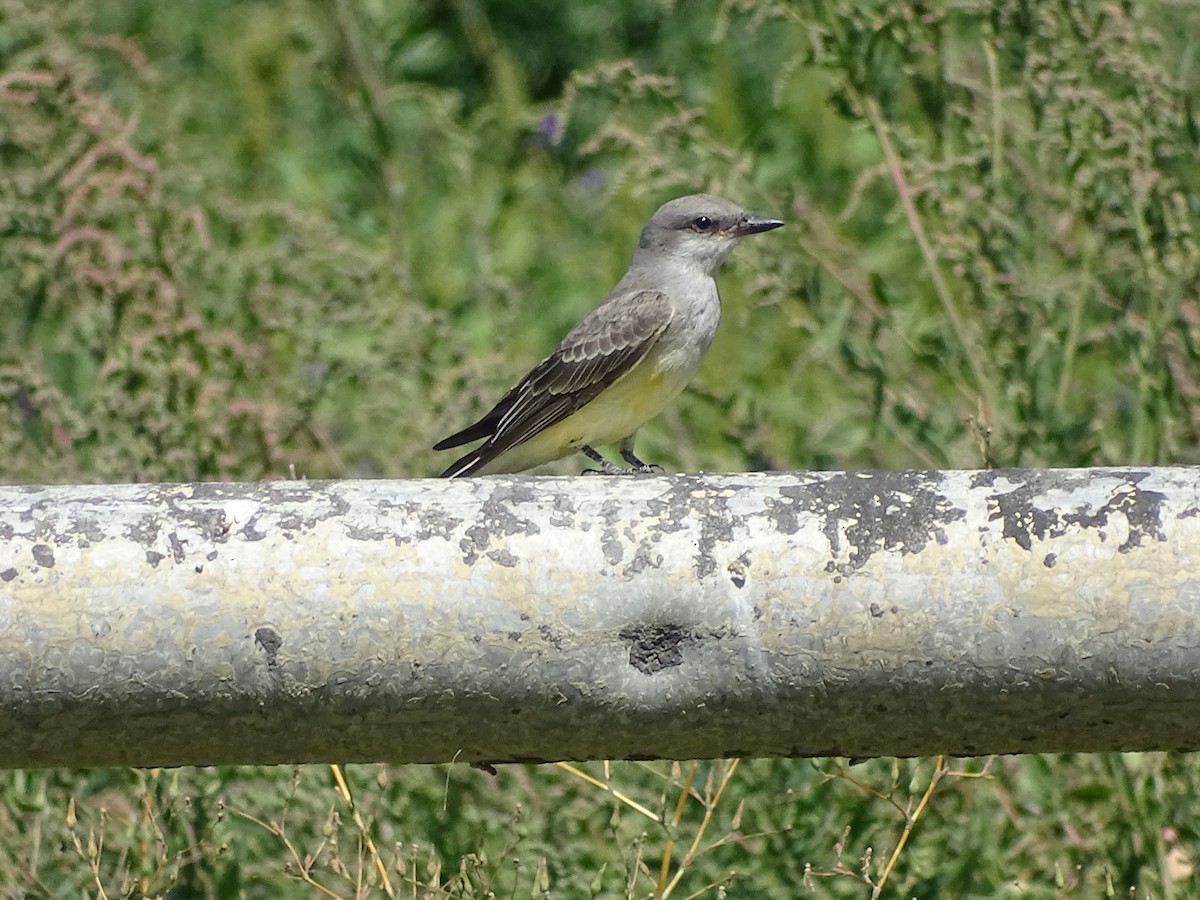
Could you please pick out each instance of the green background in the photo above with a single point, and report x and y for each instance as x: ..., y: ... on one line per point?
x: 243, y: 241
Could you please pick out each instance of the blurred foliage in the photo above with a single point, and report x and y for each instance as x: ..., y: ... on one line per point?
x: 1089, y: 826
x: 991, y: 258
x: 244, y: 240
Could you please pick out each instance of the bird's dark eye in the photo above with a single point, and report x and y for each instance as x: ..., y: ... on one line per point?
x: 702, y: 223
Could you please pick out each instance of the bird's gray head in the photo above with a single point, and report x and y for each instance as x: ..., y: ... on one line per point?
x: 699, y: 230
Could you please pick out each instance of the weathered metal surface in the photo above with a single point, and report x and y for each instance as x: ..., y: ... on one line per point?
x: 495, y: 619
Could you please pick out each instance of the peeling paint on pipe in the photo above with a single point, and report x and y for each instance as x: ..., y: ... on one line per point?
x: 533, y: 619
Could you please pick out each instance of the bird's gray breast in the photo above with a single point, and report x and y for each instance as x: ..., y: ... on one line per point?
x: 692, y: 328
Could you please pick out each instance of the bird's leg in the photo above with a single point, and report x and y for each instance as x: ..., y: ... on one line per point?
x: 605, y: 467
x: 639, y: 467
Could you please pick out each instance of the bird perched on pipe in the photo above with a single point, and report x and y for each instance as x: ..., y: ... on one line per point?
x: 626, y: 359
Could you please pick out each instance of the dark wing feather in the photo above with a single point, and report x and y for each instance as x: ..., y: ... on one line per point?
x: 607, y: 343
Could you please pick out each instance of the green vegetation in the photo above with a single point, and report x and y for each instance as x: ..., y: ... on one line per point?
x: 238, y: 239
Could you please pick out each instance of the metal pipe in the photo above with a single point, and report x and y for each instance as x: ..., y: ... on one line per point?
x: 533, y: 619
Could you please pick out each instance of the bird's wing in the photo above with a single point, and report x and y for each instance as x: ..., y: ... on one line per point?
x: 606, y: 344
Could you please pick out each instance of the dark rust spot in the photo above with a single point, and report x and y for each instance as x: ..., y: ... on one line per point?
x: 270, y: 641
x: 656, y: 647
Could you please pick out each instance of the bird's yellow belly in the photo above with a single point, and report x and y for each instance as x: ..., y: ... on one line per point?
x: 622, y: 408
x: 611, y: 417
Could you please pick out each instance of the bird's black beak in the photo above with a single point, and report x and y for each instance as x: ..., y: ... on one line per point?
x: 752, y: 224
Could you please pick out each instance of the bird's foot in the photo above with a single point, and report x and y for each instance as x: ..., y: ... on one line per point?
x: 607, y: 469
x: 637, y: 466
x: 611, y: 469
x: 604, y: 467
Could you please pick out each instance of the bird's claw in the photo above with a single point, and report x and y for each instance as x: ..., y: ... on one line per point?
x: 647, y: 469
x: 606, y: 468
x: 643, y: 469
x: 637, y: 466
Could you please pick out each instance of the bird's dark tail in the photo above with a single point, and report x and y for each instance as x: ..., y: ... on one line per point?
x: 466, y: 465
x: 484, y: 428
x: 481, y: 429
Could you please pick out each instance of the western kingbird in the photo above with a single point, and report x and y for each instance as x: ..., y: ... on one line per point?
x: 626, y: 359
